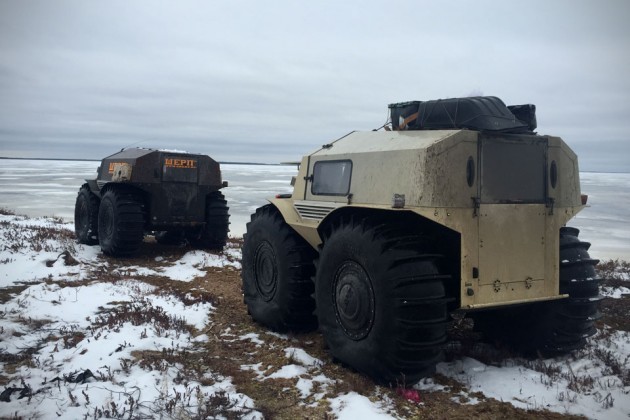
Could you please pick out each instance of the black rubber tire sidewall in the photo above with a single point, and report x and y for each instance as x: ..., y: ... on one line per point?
x: 214, y: 234
x: 121, y: 221
x: 86, y: 217
x: 366, y: 351
x: 398, y: 273
x: 291, y: 306
x: 107, y: 223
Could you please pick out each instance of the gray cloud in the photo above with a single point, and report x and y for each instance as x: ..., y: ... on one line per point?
x: 252, y: 81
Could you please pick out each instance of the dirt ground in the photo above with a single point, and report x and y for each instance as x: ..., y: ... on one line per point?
x: 279, y: 399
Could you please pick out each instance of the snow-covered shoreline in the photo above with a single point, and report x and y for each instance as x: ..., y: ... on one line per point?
x: 60, y: 319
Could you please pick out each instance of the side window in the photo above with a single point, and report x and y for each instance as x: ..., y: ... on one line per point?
x: 331, y: 177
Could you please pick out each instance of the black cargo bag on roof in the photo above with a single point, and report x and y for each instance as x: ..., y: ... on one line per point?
x: 525, y: 113
x: 483, y: 113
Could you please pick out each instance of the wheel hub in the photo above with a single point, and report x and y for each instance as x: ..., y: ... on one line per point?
x: 353, y: 300
x: 266, y: 271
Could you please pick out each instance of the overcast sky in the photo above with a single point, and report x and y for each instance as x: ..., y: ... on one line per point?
x: 269, y: 81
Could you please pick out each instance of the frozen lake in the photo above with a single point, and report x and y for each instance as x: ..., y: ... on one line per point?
x: 49, y: 188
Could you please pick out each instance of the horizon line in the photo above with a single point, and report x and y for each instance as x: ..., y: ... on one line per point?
x: 98, y: 160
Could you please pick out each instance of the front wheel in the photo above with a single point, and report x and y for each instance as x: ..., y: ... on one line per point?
x: 276, y: 274
x: 86, y: 216
x: 120, y: 222
x: 381, y: 300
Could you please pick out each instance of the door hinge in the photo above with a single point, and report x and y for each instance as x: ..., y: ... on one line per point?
x: 550, y: 204
x: 476, y: 205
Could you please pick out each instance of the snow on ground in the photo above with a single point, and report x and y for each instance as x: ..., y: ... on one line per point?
x: 615, y: 292
x: 355, y: 406
x: 80, y: 344
x: 187, y: 268
x: 71, y: 331
x: 572, y: 384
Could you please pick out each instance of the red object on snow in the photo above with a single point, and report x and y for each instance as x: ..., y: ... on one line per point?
x: 409, y: 394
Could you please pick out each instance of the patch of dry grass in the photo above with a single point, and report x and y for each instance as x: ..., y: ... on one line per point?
x: 615, y: 312
x: 614, y: 272
x: 37, y: 238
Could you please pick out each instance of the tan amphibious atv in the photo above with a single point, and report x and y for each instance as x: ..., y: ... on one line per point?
x: 457, y: 205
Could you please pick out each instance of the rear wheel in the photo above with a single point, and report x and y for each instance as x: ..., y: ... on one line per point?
x: 276, y: 274
x: 381, y: 300
x: 86, y: 216
x: 553, y: 327
x: 120, y: 222
x: 215, y: 233
x: 574, y: 317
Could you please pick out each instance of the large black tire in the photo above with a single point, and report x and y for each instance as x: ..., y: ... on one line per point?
x: 215, y: 233
x: 555, y: 327
x: 120, y: 221
x: 574, y: 317
x: 277, y: 273
x: 381, y: 300
x: 86, y: 216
